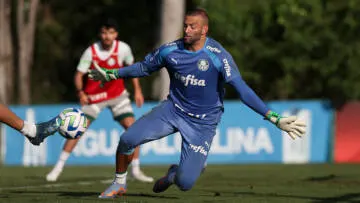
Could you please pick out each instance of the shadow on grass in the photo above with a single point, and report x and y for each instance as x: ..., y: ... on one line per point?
x: 94, y: 194
x: 322, y: 178
x: 350, y: 197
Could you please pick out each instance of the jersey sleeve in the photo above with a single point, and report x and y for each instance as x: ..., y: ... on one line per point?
x: 156, y: 59
x: 85, y: 61
x: 228, y: 67
x: 128, y: 57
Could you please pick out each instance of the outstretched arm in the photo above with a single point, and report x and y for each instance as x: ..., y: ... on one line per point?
x: 289, y: 124
x: 248, y: 96
x: 152, y: 62
x: 231, y: 75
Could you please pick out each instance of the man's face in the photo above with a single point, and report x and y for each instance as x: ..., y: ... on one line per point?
x: 194, y: 28
x: 108, y: 35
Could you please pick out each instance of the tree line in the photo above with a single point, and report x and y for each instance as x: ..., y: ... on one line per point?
x: 285, y: 49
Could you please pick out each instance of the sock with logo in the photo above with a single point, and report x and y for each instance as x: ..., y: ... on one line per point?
x: 28, y: 129
x: 120, y: 178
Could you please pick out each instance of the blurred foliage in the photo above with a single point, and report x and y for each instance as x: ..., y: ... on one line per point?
x: 292, y: 49
x: 285, y: 49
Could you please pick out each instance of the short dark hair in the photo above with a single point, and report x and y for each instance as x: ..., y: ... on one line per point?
x: 198, y: 11
x: 109, y: 23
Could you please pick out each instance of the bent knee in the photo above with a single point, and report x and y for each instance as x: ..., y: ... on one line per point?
x: 184, y: 183
x: 125, y: 146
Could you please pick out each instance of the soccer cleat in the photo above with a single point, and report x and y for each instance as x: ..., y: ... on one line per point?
x: 115, y: 189
x: 53, y: 175
x: 164, y: 183
x: 140, y: 176
x: 45, y: 129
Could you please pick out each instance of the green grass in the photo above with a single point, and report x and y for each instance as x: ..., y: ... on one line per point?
x: 219, y: 183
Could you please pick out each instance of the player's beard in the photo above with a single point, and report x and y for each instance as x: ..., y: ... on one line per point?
x: 190, y: 40
x: 107, y: 43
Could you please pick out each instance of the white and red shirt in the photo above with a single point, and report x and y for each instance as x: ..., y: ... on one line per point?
x: 119, y: 55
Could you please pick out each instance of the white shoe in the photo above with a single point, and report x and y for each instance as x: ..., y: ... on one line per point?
x: 140, y: 176
x: 53, y: 175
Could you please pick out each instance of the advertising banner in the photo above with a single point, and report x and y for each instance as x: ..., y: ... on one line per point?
x: 242, y: 137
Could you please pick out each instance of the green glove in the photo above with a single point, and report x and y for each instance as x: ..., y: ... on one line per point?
x: 103, y: 74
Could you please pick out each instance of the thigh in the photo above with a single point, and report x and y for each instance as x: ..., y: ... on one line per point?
x: 121, y: 107
x: 92, y: 110
x: 151, y: 126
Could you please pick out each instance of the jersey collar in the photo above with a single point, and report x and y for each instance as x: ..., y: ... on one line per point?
x: 194, y: 52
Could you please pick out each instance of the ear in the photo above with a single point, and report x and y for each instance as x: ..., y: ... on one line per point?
x: 205, y: 30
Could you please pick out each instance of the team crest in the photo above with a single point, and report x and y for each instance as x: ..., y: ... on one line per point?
x: 203, y: 65
x: 111, y: 62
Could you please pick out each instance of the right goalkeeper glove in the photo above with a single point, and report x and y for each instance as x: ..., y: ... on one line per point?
x: 290, y: 124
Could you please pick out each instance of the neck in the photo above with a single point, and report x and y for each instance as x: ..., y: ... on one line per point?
x: 106, y: 47
x: 196, y: 46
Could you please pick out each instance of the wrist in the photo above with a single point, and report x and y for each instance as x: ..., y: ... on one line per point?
x: 80, y: 92
x: 115, y: 72
x: 273, y: 117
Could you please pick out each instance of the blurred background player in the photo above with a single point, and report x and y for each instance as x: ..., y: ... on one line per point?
x: 36, y: 133
x: 110, y: 53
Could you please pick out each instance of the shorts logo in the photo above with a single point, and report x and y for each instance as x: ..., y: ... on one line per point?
x: 199, y: 149
x: 111, y: 62
x: 203, y: 65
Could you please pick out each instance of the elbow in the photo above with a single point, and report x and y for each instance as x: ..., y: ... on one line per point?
x: 145, y: 71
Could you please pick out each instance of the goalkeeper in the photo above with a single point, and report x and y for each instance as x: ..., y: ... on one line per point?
x: 198, y: 67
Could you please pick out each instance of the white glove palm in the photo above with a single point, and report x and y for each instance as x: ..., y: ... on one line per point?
x: 291, y: 124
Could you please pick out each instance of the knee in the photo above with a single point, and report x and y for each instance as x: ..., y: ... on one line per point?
x: 125, y: 145
x: 184, y: 182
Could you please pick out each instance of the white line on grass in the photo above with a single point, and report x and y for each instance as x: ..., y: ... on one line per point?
x: 55, y: 185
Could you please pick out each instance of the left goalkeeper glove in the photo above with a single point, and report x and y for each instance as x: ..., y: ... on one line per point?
x: 290, y: 124
x: 103, y: 74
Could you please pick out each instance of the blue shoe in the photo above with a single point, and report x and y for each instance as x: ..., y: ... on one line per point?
x: 45, y: 129
x: 163, y: 183
x: 115, y: 189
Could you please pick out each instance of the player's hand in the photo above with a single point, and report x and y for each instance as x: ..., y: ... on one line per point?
x: 291, y: 124
x: 102, y: 74
x: 84, y: 99
x: 139, y: 98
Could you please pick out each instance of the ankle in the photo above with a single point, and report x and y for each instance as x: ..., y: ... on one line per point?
x: 28, y: 129
x: 120, y: 178
x: 171, y: 177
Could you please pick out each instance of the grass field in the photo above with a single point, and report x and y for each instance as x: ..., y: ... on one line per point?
x: 219, y: 183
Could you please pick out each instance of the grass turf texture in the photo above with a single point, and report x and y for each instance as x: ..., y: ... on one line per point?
x: 323, y: 183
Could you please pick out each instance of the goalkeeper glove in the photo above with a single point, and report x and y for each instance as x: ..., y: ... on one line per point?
x: 290, y: 124
x: 103, y: 74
